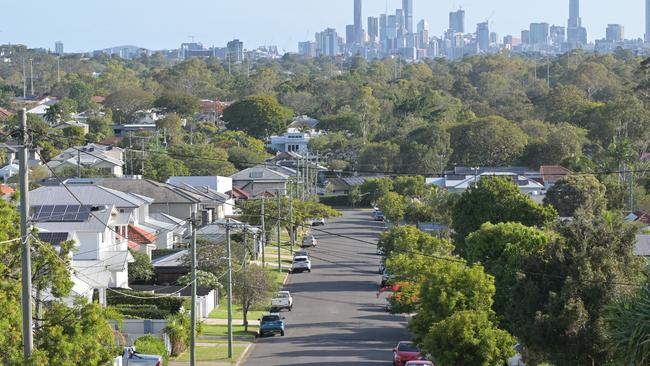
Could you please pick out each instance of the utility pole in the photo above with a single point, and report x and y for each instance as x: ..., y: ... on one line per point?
x: 245, y: 231
x: 229, y: 288
x: 28, y: 342
x: 31, y: 75
x: 263, y: 233
x: 194, y: 283
x: 78, y: 163
x: 58, y: 69
x: 307, y: 184
x: 24, y: 81
x: 144, y: 156
x: 291, y: 234
x: 279, y: 218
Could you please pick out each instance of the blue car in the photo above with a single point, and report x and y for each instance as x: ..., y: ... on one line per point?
x: 271, y: 324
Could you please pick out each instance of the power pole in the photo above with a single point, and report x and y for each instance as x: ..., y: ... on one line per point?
x: 58, y: 69
x: 245, y: 231
x: 78, y: 163
x: 31, y: 75
x: 229, y: 288
x: 24, y: 81
x: 263, y: 233
x: 279, y: 218
x: 291, y: 234
x: 307, y: 184
x: 144, y: 156
x: 28, y: 341
x: 194, y: 283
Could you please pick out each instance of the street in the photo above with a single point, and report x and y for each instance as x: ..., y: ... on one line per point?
x: 337, y: 318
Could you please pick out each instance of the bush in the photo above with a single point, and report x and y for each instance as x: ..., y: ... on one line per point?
x: 151, y: 345
x: 335, y: 201
x: 170, y: 304
x: 141, y: 311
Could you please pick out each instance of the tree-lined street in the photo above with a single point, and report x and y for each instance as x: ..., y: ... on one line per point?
x: 337, y: 318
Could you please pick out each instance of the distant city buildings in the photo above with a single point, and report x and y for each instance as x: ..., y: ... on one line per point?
x: 614, y: 33
x: 58, y: 48
x: 235, y: 51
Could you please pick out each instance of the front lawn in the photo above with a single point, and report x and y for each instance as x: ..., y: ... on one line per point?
x: 218, y: 352
x: 222, y: 330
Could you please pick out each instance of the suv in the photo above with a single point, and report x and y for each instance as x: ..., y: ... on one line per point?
x: 301, y: 253
x: 300, y: 264
x: 282, y: 300
x: 271, y: 323
x: 318, y: 222
x: 309, y: 241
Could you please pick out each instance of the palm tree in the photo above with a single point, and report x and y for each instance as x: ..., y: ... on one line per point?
x: 628, y: 328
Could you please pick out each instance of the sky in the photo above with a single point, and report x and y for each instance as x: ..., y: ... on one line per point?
x: 86, y: 25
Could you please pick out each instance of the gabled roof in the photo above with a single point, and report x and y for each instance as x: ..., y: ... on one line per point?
x: 260, y: 173
x: 171, y: 260
x: 304, y: 121
x: 553, y: 173
x: 139, y: 235
x: 159, y: 192
x: 239, y: 194
x: 5, y: 189
x: 88, y: 194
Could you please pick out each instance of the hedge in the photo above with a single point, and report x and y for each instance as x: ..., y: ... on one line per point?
x: 171, y: 304
x: 335, y: 201
x: 141, y: 312
x: 151, y: 345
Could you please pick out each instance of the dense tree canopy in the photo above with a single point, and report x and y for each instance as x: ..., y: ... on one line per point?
x: 259, y: 116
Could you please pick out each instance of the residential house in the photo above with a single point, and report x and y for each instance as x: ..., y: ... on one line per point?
x: 215, y: 187
x: 9, y: 171
x: 11, y: 151
x: 342, y: 186
x: 550, y: 174
x: 67, y: 124
x: 294, y: 140
x: 260, y: 179
x: 42, y: 105
x: 461, y: 178
x: 5, y: 114
x: 100, y: 258
x: 108, y: 159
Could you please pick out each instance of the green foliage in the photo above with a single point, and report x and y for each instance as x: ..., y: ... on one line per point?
x: 469, y: 338
x: 205, y: 279
x: 259, y: 116
x: 576, y: 192
x: 178, y: 329
x: 171, y: 125
x: 160, y: 167
x: 393, y: 206
x: 243, y: 158
x: 407, y: 239
x: 125, y: 103
x: 141, y: 311
x: 412, y: 187
x: 170, y: 304
x: 253, y: 286
x: 75, y: 135
x: 627, y: 321
x: 373, y: 189
x: 378, y: 157
x: 176, y: 102
x: 141, y: 269
x: 203, y: 159
x: 495, y: 200
x: 492, y: 141
x: 552, y: 144
x: 151, y: 345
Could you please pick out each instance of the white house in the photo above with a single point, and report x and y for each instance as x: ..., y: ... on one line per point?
x: 9, y: 171
x: 107, y: 158
x: 454, y: 183
x: 293, y: 140
x: 215, y: 187
x: 260, y: 179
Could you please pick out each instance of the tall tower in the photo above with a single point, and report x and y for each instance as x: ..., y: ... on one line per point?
x: 358, y: 22
x: 457, y: 21
x: 407, y: 6
x: 647, y: 20
x: 574, y: 14
x: 576, y: 33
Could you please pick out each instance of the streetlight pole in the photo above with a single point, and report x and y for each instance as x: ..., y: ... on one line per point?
x: 28, y: 341
x: 263, y: 234
x: 279, y: 218
x: 229, y: 288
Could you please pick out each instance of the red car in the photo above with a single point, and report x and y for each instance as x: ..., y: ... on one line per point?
x: 404, y: 352
x: 420, y: 363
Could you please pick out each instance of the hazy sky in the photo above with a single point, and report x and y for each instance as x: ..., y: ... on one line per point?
x: 84, y: 25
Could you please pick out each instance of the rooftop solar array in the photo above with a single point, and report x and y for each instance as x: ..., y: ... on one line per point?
x: 60, y: 213
x: 53, y: 238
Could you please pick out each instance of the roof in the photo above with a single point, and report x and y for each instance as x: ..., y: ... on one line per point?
x: 4, y: 113
x: 345, y: 183
x: 139, y: 235
x: 553, y: 173
x: 260, y: 173
x: 462, y: 170
x: 53, y: 238
x: 171, y: 260
x: 639, y: 216
x: 88, y: 194
x: 303, y: 121
x: 5, y: 189
x: 238, y: 193
x: 97, y: 222
x: 10, y: 167
x: 98, y: 99
x: 642, y: 247
x: 159, y: 192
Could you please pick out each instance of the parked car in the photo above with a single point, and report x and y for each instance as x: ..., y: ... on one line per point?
x: 301, y: 253
x: 420, y: 363
x: 271, y: 323
x: 382, y: 267
x: 379, y: 216
x: 132, y: 358
x: 317, y: 222
x: 282, y: 300
x: 301, y: 264
x: 517, y: 359
x: 386, y: 278
x: 309, y: 241
x: 404, y: 352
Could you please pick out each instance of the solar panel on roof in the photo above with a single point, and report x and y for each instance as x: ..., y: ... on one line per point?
x: 53, y: 238
x: 61, y: 213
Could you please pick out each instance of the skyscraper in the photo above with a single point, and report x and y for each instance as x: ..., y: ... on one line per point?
x: 58, y: 48
x: 235, y: 50
x: 373, y: 29
x: 407, y: 6
x: 539, y: 33
x: 358, y: 22
x: 558, y: 35
x: 423, y: 34
x: 647, y: 20
x: 576, y: 33
x: 483, y: 36
x: 327, y: 43
x: 383, y: 25
x: 457, y: 21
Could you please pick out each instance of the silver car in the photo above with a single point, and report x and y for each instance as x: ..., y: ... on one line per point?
x: 309, y: 241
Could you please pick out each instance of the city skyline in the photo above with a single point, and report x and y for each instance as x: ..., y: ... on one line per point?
x: 290, y: 22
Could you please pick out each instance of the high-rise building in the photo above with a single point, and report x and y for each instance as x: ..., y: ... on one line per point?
x: 457, y: 21
x: 383, y: 27
x: 58, y: 48
x: 235, y: 50
x: 423, y: 34
x: 494, y: 38
x: 483, y: 36
x: 647, y: 20
x: 401, y: 22
x: 576, y: 33
x: 373, y: 29
x: 558, y: 35
x: 307, y: 49
x: 358, y: 22
x: 327, y: 43
x: 407, y: 6
x: 525, y: 36
x: 539, y: 33
x: 615, y: 33
x: 350, y: 35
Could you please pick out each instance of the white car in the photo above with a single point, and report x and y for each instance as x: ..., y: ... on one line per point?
x: 132, y: 358
x: 301, y: 264
x: 309, y: 241
x: 282, y: 300
x: 317, y: 222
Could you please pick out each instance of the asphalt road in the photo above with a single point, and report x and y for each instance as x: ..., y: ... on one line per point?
x: 337, y: 318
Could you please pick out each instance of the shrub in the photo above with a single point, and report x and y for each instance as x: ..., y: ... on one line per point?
x: 141, y: 311
x: 151, y: 345
x: 170, y: 304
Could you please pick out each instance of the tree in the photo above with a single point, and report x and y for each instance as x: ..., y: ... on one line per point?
x: 392, y: 205
x: 177, y: 102
x: 495, y: 200
x: 568, y: 287
x: 141, y: 269
x: 61, y: 111
x: 627, y: 322
x: 577, y: 192
x: 125, y: 103
x: 469, y: 338
x: 502, y: 249
x: 253, y: 286
x: 373, y: 189
x: 367, y: 108
x: 378, y: 157
x: 100, y: 127
x: 244, y: 158
x: 426, y: 150
x: 408, y: 239
x: 160, y: 167
x: 259, y: 116
x: 552, y: 144
x: 491, y: 141
x: 75, y: 135
x: 413, y: 187
x: 171, y: 124
x: 203, y: 159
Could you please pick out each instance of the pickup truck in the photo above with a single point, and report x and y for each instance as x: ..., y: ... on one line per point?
x: 132, y: 358
x: 271, y: 324
x: 282, y: 300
